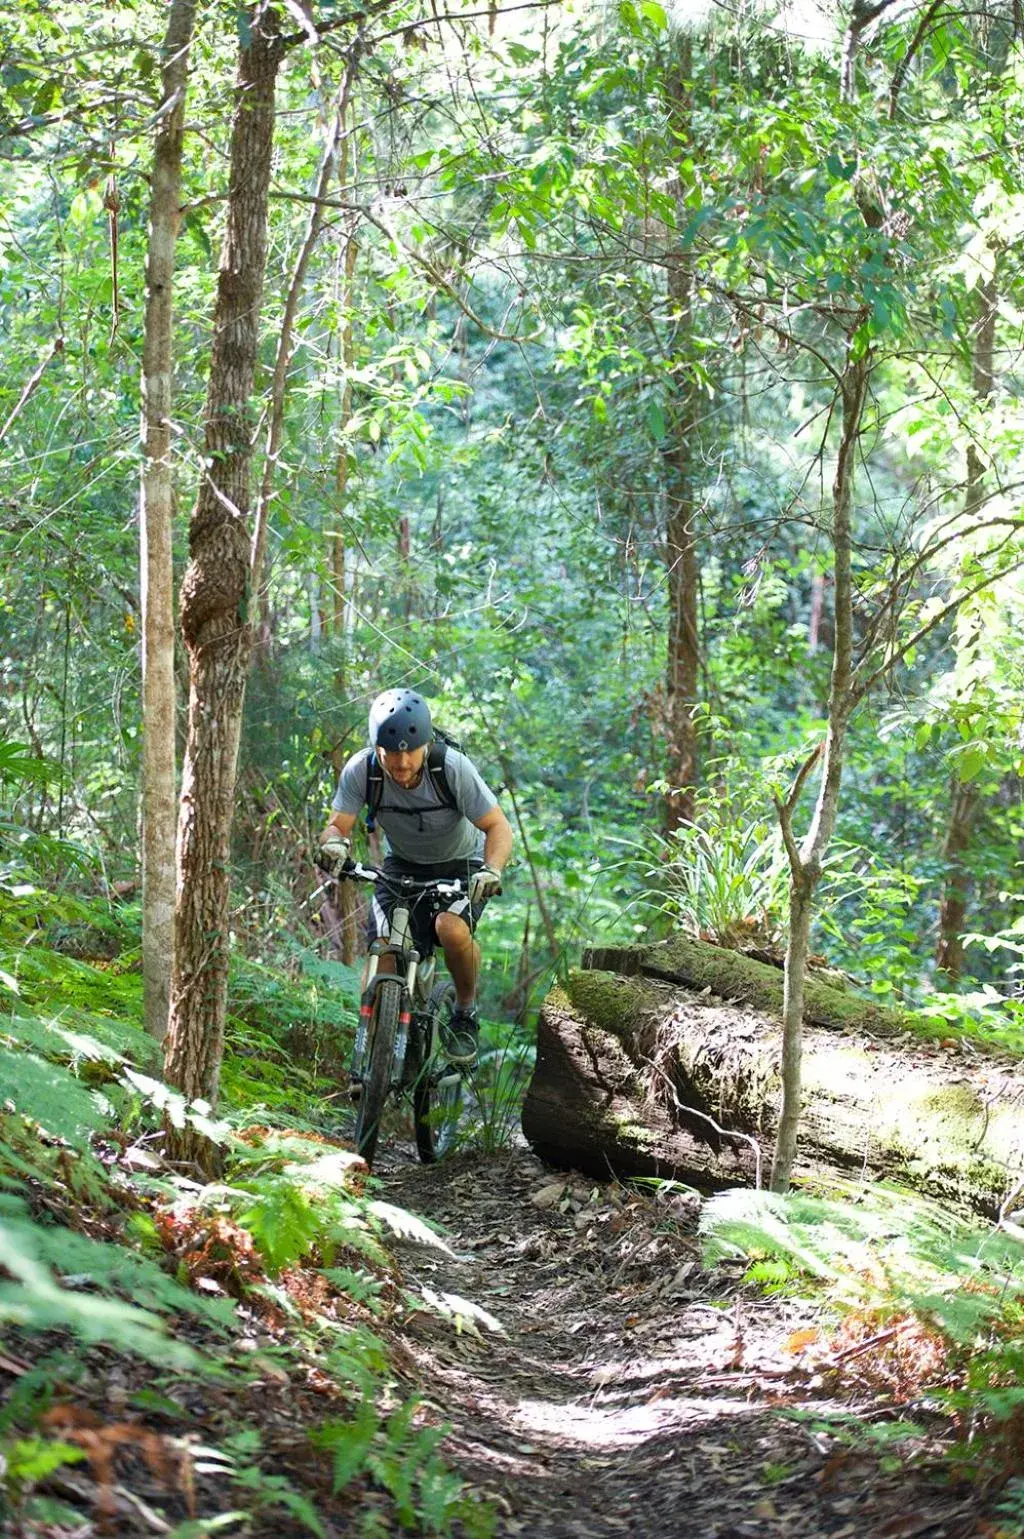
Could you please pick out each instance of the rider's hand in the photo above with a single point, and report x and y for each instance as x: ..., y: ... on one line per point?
x: 484, y: 884
x: 333, y: 855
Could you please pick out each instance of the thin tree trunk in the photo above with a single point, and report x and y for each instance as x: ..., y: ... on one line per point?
x: 680, y: 538
x: 286, y: 336
x: 346, y: 900
x: 956, y: 888
x: 156, y: 521
x: 806, y: 861
x: 949, y: 955
x: 215, y: 600
x: 338, y: 555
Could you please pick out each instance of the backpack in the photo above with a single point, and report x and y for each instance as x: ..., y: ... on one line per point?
x: 435, y: 767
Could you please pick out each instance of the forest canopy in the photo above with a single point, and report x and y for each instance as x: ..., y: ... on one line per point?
x: 558, y: 438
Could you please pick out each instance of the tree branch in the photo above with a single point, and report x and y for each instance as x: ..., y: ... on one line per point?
x: 860, y: 687
x: 286, y: 337
x: 785, y: 809
x: 26, y: 394
x: 438, y: 278
x: 900, y: 73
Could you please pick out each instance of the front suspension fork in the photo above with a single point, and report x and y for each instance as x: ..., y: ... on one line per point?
x: 372, y: 981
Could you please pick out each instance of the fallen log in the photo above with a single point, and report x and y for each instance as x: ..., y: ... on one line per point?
x: 639, y: 1075
x: 732, y: 975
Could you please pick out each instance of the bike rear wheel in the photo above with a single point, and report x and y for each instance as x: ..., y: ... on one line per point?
x: 437, y: 1093
x: 387, y: 1007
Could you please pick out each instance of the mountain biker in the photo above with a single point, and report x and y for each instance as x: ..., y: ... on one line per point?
x: 441, y: 821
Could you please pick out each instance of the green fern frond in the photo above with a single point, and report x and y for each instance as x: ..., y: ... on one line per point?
x: 348, y: 1442
x: 36, y: 1300
x: 408, y: 1226
x: 281, y: 1221
x: 115, y: 1269
x: 51, y: 1096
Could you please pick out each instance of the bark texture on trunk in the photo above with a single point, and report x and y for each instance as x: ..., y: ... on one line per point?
x: 156, y: 523
x: 681, y: 556
x: 215, y: 599
x: 633, y: 1074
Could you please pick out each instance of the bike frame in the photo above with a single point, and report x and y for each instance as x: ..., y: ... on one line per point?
x: 415, y: 972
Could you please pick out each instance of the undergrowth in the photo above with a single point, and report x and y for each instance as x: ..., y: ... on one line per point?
x: 922, y: 1306
x: 245, y: 1323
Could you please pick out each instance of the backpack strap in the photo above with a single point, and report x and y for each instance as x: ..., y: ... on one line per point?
x: 437, y: 753
x: 374, y: 789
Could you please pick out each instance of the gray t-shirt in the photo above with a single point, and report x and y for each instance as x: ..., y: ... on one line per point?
x: 429, y: 832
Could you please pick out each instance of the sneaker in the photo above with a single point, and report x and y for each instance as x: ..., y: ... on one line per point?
x: 459, y: 1034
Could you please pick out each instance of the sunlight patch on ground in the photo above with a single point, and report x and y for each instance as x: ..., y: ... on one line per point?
x: 589, y: 1424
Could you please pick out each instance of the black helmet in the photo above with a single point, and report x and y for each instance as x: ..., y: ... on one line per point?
x: 399, y: 721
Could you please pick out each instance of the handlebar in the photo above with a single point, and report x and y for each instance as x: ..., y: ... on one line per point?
x: 356, y: 871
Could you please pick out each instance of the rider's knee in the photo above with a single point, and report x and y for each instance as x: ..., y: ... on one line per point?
x: 452, y: 930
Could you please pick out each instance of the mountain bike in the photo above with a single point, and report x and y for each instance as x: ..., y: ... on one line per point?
x: 398, y: 1048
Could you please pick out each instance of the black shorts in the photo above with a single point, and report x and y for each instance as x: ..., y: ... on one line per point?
x: 424, y: 908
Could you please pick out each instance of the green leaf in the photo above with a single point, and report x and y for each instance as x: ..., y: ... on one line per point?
x: 349, y: 1442
x: 281, y: 1222
x: 32, y: 1459
x: 655, y: 14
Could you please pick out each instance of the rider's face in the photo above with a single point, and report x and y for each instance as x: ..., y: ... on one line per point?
x: 405, y: 766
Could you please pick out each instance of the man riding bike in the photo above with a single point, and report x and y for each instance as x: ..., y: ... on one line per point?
x: 441, y: 821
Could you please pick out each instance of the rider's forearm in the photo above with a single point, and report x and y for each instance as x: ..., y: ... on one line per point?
x: 340, y: 826
x: 498, y: 847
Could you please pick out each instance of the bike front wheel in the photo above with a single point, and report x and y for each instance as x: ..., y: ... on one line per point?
x: 437, y: 1094
x: 387, y: 1007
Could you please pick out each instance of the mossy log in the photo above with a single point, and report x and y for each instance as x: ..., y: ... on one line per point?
x: 733, y: 976
x: 632, y: 1072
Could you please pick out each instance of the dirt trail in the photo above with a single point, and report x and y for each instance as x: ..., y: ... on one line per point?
x: 633, y: 1392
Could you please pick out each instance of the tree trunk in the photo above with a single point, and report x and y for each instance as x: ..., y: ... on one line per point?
x: 341, y: 472
x: 949, y: 954
x: 345, y: 904
x: 956, y: 888
x: 215, y: 600
x: 639, y: 1077
x: 681, y: 558
x: 807, y: 860
x: 156, y: 522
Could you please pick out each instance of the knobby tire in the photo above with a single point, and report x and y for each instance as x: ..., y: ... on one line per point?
x: 436, y: 1108
x: 387, y: 1007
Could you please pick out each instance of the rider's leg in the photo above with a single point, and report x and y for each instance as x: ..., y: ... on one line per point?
x: 462, y: 955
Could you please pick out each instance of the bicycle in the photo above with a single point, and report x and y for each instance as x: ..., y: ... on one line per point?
x: 401, y: 1016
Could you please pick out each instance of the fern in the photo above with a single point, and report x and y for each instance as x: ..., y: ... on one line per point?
x: 36, y: 1300
x: 408, y: 1226
x: 348, y: 1442
x: 172, y: 1104
x: 50, y: 1095
x: 360, y: 1358
x: 76, y: 1035
x: 281, y: 1222
x: 29, y: 1460
x: 116, y: 1269
x: 359, y: 1286
x: 267, y: 1491
x: 890, y: 1255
